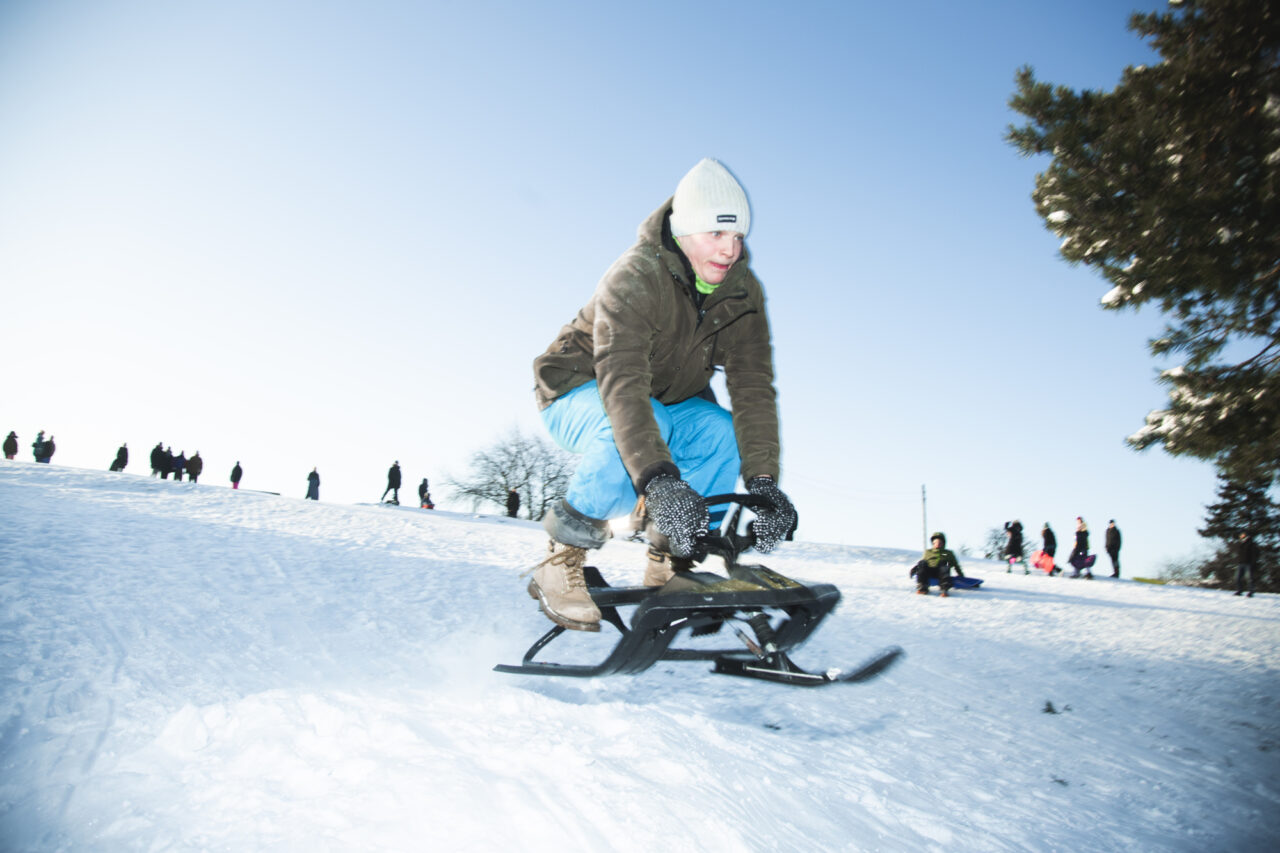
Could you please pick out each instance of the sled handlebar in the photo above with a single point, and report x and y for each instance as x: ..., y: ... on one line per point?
x: 748, y: 501
x: 727, y: 540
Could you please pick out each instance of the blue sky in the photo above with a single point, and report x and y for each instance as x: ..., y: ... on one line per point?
x: 303, y: 234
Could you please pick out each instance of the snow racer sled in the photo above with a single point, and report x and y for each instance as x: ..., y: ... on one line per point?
x: 769, y: 613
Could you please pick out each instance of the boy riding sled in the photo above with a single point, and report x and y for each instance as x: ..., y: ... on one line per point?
x: 626, y: 385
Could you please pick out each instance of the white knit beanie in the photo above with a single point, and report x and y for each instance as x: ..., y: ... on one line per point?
x: 709, y: 199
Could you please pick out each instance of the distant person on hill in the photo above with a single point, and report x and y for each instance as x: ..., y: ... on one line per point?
x: 157, y: 459
x: 122, y: 458
x: 393, y: 483
x: 424, y: 495
x: 42, y: 449
x: 179, y: 465
x: 936, y: 563
x: 1113, y: 547
x: 11, y: 445
x: 1050, y: 547
x: 1246, y: 562
x: 1013, y: 546
x: 1079, y: 558
x: 194, y: 466
x: 313, y: 485
x: 45, y: 449
x: 513, y: 503
x: 166, y: 463
x: 236, y: 473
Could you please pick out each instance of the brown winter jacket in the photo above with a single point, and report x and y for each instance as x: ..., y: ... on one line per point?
x: 642, y: 335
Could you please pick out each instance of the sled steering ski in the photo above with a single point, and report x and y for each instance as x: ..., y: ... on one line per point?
x: 769, y: 613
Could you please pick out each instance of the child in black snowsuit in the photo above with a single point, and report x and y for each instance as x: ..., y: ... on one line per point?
x: 936, y: 563
x: 1013, y: 548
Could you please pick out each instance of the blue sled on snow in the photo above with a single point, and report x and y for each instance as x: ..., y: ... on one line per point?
x: 965, y: 582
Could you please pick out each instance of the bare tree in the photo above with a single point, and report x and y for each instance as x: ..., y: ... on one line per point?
x: 997, y: 541
x: 536, y: 468
x: 993, y: 545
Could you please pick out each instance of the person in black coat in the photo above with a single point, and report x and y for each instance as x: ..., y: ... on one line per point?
x: 1113, y: 547
x: 1246, y: 562
x: 424, y: 495
x: 1013, y: 548
x: 313, y: 485
x: 393, y: 483
x: 157, y: 459
x: 42, y: 449
x: 236, y: 473
x: 513, y: 503
x: 1050, y: 547
x: 194, y: 466
x: 179, y: 465
x: 122, y: 458
x: 1079, y: 558
x: 11, y: 445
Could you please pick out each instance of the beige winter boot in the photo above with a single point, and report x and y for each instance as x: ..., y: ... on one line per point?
x: 561, y: 590
x: 662, y: 567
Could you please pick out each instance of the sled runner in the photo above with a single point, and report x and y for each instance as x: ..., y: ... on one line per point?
x: 769, y: 613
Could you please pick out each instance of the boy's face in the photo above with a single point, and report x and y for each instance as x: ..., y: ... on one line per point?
x: 937, y: 543
x: 712, y: 253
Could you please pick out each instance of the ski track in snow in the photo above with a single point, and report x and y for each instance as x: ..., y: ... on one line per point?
x: 190, y: 668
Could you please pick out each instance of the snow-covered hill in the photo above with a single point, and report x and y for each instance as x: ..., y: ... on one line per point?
x: 185, y: 667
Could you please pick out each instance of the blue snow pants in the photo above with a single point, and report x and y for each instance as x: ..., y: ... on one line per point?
x: 698, y: 433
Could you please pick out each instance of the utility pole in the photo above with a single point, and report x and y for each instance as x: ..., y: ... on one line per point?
x: 924, y: 519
